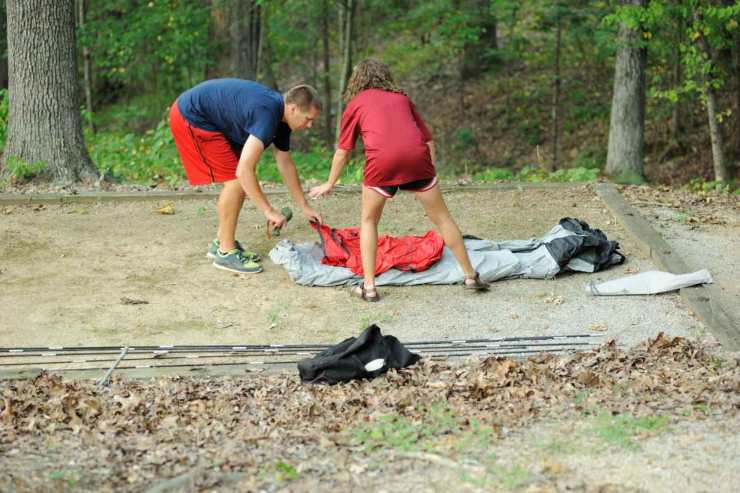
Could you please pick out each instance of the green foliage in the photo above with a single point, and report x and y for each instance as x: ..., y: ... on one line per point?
x: 23, y: 170
x: 312, y: 165
x: 157, y: 44
x: 3, y: 117
x: 537, y: 174
x: 702, y: 186
x: 139, y: 158
x: 629, y: 177
x: 285, y: 472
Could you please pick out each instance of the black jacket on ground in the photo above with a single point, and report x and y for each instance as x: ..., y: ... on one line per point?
x: 367, y: 356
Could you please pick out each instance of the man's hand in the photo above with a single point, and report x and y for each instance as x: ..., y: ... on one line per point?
x: 275, y: 219
x: 320, y: 190
x: 312, y: 215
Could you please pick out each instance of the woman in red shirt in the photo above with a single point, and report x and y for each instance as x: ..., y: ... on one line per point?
x: 399, y: 154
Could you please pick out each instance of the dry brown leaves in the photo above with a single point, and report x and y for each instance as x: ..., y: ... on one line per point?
x: 166, y: 426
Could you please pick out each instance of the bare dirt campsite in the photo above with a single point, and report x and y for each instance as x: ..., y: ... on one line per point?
x: 649, y: 404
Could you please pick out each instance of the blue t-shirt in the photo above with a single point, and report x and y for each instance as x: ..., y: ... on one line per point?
x: 237, y: 108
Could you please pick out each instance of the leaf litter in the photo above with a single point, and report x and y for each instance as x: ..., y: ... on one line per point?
x: 264, y: 431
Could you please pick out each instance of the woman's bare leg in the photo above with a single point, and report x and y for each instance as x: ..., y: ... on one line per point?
x: 372, y: 209
x: 436, y: 209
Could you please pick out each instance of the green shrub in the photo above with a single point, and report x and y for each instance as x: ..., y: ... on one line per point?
x: 494, y: 174
x: 3, y: 116
x: 23, y: 170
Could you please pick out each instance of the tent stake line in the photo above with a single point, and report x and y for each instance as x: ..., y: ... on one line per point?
x: 198, y: 354
x: 236, y: 347
x: 267, y: 363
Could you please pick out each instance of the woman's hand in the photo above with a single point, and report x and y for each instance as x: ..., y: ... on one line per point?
x: 320, y: 190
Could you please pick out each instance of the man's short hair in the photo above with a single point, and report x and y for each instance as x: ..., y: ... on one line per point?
x: 303, y: 96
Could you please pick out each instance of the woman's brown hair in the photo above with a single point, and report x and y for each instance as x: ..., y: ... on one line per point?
x: 370, y: 74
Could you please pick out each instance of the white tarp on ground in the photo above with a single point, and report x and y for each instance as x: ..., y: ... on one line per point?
x: 652, y: 282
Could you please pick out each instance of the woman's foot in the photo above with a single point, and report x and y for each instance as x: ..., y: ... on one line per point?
x: 364, y: 293
x: 475, y: 283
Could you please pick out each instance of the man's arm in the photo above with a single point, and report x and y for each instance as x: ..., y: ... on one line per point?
x: 288, y: 171
x: 246, y: 173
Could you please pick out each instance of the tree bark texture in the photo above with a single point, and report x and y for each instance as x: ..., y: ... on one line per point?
x: 721, y: 171
x: 245, y: 26
x: 44, y: 114
x: 625, y: 153
x: 347, y: 11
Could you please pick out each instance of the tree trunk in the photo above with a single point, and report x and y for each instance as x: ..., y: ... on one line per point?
x: 721, y: 171
x: 676, y: 124
x: 244, y: 28
x: 625, y: 153
x: 347, y: 10
x: 44, y: 114
x: 478, y: 55
x: 554, y: 162
x: 328, y: 129
x: 737, y: 97
x: 87, y: 72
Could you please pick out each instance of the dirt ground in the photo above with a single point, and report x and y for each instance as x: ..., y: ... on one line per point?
x: 65, y: 269
x: 627, y: 417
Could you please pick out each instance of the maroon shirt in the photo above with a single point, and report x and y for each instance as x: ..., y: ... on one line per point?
x: 394, y: 136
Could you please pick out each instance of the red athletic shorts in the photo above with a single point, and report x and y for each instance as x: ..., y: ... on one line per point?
x: 207, y: 156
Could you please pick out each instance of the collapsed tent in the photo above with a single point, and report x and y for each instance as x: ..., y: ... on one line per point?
x: 569, y: 246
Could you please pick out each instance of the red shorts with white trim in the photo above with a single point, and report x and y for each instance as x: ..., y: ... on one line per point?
x: 208, y: 157
x: 413, y: 186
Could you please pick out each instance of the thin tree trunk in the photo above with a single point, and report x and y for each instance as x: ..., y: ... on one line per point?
x: 737, y: 95
x: 44, y: 114
x: 555, y: 162
x: 347, y: 9
x: 87, y: 72
x: 721, y: 172
x: 244, y: 29
x: 676, y: 124
x: 625, y: 154
x: 328, y: 134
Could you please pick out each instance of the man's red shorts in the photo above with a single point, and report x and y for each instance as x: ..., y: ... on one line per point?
x: 207, y: 156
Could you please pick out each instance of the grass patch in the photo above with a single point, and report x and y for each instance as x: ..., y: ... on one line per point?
x: 537, y: 174
x: 437, y: 426
x: 621, y: 430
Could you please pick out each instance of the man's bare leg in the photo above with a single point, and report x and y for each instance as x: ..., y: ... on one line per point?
x: 230, y: 202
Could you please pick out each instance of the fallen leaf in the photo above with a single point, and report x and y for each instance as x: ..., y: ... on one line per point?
x: 166, y: 209
x: 599, y: 327
x: 131, y: 301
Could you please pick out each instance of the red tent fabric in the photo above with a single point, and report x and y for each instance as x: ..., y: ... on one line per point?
x: 408, y: 253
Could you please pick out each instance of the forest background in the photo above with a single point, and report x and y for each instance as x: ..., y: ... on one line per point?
x: 511, y: 89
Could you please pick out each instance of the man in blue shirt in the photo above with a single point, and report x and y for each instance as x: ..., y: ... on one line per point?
x: 221, y: 127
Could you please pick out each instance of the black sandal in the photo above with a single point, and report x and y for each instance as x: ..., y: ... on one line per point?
x: 475, y: 283
x: 360, y: 291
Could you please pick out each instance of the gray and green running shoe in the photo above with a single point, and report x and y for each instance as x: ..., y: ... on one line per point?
x: 235, y: 261
x: 213, y: 249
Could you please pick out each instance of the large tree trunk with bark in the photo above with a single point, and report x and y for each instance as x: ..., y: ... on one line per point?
x: 44, y: 113
x: 625, y: 154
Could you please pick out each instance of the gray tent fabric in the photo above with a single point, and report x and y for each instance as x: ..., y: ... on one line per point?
x: 651, y: 282
x: 494, y: 261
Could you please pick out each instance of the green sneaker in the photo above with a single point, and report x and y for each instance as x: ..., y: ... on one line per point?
x: 235, y: 261
x: 213, y: 249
